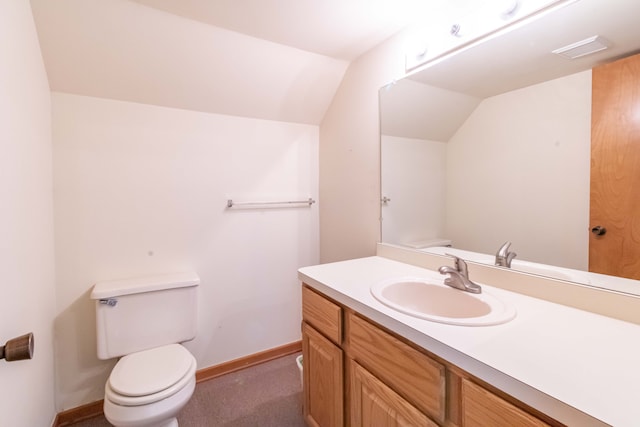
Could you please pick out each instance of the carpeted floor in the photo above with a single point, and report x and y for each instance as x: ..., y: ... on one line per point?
x: 266, y: 395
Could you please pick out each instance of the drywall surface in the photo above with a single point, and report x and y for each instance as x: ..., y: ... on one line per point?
x: 350, y: 155
x: 143, y: 189
x: 26, y: 219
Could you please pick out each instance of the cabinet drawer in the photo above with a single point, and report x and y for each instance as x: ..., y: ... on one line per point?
x: 414, y: 375
x: 324, y: 315
x: 373, y: 403
x: 482, y: 408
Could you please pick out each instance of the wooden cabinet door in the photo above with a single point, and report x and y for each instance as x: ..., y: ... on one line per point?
x: 615, y: 169
x: 323, y: 380
x: 373, y: 404
x: 407, y: 370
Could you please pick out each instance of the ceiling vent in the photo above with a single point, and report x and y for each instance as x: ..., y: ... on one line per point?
x: 584, y: 47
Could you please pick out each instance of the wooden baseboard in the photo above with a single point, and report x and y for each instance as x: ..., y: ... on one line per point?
x: 94, y: 409
x: 247, y: 361
x: 81, y: 413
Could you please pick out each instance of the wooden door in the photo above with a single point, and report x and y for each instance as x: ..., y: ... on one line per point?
x: 615, y: 169
x: 323, y: 380
x: 373, y: 404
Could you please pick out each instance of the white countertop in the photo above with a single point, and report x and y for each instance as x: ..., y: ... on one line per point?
x: 578, y: 367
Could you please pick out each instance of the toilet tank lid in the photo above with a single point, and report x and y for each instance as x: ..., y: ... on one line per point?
x: 114, y: 288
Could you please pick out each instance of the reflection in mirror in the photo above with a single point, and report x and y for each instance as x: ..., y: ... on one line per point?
x: 493, y: 145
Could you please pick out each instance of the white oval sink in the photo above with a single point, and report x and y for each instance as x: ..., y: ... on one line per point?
x: 430, y: 300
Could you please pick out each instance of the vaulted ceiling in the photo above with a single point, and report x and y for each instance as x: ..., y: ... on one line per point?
x: 271, y: 59
x: 341, y: 29
x: 284, y: 59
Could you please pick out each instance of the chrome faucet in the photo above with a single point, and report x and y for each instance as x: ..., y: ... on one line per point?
x: 459, y: 276
x: 503, y: 256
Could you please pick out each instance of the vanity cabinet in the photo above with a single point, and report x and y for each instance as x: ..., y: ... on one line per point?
x: 356, y: 374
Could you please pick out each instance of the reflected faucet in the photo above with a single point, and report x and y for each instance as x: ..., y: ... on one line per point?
x: 503, y: 256
x: 459, y: 276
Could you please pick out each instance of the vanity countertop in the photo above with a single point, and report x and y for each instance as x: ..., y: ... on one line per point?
x: 578, y: 367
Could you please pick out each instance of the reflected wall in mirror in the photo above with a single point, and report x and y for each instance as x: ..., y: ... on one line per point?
x: 493, y: 143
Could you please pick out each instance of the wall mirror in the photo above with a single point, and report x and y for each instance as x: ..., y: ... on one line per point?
x: 492, y: 144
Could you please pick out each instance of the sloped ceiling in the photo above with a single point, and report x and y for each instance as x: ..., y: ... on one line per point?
x: 413, y: 110
x: 124, y: 50
x: 271, y: 59
x: 342, y: 29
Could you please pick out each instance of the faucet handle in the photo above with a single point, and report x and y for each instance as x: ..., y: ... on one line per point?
x: 504, y: 249
x: 459, y: 264
x: 504, y: 256
x: 459, y: 276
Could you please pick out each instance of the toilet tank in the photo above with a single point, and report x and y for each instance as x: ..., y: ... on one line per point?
x: 142, y: 313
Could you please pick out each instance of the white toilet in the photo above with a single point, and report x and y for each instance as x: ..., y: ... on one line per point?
x: 143, y: 321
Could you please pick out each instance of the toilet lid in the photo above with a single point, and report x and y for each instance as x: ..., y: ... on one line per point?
x: 150, y: 371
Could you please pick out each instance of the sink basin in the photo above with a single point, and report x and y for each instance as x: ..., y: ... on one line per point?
x: 432, y: 300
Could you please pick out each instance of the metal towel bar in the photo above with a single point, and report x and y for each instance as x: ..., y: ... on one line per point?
x: 309, y: 201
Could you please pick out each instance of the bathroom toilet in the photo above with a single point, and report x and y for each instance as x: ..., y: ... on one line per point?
x: 143, y: 321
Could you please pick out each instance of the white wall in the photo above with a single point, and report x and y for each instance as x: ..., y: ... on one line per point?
x: 413, y: 177
x: 518, y: 170
x: 142, y: 189
x: 350, y: 155
x: 26, y: 219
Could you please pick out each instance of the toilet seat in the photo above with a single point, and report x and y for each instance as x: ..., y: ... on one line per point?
x: 149, y: 376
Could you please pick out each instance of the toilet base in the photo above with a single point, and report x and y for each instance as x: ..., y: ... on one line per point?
x: 158, y: 414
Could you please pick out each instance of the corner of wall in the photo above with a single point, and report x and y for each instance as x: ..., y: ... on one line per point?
x: 350, y: 155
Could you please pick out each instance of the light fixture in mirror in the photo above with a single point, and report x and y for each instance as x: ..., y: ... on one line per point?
x: 493, y: 144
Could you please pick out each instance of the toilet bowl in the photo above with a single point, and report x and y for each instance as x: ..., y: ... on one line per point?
x: 149, y: 388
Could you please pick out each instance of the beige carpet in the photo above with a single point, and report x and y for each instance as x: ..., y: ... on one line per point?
x: 266, y: 395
